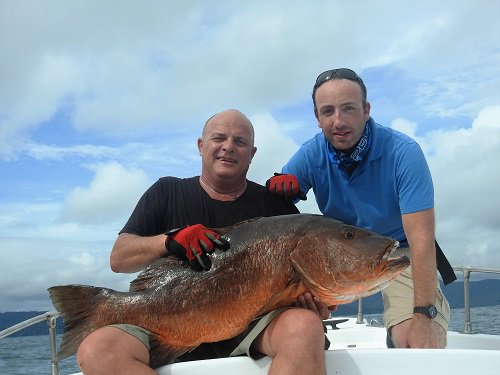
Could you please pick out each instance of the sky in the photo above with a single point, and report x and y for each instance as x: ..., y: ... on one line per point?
x: 98, y: 99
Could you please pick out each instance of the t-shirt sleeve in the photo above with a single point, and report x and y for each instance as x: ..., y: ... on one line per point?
x: 300, y: 167
x: 148, y: 217
x: 415, y: 187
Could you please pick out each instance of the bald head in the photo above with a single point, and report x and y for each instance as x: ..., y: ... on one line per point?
x: 230, y: 116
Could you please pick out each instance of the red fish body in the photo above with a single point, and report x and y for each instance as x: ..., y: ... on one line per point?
x: 270, y: 263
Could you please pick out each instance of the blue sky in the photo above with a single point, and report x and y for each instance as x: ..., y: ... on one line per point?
x: 99, y: 99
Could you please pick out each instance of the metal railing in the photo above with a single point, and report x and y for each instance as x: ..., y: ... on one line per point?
x: 52, y: 316
x: 466, y: 270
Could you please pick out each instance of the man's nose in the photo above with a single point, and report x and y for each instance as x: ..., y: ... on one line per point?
x: 338, y: 120
x: 228, y: 145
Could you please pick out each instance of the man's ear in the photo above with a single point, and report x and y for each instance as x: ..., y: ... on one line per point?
x: 200, y: 144
x: 254, y: 150
x: 366, y: 110
x: 316, y: 115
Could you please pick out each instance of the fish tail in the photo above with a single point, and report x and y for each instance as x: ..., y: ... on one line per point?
x: 75, y: 305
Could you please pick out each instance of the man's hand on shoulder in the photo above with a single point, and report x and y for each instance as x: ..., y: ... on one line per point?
x: 286, y: 186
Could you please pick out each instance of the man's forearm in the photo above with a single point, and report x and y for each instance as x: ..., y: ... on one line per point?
x: 423, y: 263
x: 132, y: 253
x: 419, y: 229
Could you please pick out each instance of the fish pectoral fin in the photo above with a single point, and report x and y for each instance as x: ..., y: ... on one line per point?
x: 161, y: 354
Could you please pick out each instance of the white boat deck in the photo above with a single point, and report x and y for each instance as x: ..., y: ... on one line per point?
x: 359, y: 349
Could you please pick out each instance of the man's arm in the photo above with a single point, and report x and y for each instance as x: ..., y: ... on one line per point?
x: 131, y: 253
x: 419, y: 229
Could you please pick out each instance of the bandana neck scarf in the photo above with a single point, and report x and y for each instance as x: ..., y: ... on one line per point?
x: 351, y: 160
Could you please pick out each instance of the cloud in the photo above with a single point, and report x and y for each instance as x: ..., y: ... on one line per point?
x: 464, y: 167
x: 29, y: 266
x: 274, y: 147
x: 111, y: 195
x: 117, y: 79
x: 462, y: 163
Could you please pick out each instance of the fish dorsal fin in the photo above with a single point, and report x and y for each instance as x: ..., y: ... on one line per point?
x: 228, y: 229
x: 157, y: 272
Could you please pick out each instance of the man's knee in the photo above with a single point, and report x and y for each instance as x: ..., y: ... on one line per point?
x: 302, y: 323
x: 110, y: 345
x: 89, y: 349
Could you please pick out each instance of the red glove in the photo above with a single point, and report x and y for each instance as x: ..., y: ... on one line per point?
x: 285, y: 185
x: 193, y: 242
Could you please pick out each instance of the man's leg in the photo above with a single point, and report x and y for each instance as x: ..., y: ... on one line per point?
x: 110, y: 350
x: 295, y: 341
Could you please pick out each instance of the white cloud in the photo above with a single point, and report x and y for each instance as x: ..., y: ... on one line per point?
x: 274, y: 147
x: 111, y: 195
x: 29, y: 266
x: 138, y: 67
x: 464, y: 164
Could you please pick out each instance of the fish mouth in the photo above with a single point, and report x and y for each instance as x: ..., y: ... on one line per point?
x: 385, y: 261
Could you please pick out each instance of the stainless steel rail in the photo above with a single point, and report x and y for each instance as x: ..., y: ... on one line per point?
x: 51, y: 316
x: 466, y: 270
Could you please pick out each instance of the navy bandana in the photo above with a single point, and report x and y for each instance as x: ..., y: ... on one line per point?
x: 350, y: 161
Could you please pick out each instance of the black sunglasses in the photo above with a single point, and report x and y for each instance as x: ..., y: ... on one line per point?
x: 341, y: 73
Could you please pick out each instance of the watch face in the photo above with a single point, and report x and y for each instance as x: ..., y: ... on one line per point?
x: 432, y: 311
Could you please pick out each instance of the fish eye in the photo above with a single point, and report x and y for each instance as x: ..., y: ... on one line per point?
x: 349, y: 235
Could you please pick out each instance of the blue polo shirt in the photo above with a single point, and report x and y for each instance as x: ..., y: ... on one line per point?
x: 392, y: 179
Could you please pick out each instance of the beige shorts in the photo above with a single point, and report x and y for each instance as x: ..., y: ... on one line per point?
x: 240, y: 345
x: 398, y: 302
x: 139, y: 333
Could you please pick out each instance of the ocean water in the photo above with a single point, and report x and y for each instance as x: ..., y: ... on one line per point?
x: 31, y: 354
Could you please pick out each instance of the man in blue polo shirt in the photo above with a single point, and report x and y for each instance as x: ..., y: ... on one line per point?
x: 377, y: 178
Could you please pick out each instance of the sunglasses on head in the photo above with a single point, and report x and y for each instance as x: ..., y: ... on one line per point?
x: 341, y: 73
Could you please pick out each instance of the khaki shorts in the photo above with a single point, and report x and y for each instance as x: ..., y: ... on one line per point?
x: 229, y: 348
x: 398, y: 302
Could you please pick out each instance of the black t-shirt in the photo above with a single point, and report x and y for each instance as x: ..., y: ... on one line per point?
x: 173, y: 202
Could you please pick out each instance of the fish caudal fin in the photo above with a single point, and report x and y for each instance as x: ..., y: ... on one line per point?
x: 74, y: 304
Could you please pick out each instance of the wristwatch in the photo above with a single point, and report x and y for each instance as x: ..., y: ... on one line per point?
x: 429, y: 311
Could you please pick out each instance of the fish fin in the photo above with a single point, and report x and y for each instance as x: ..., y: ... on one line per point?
x: 74, y: 304
x: 161, y: 354
x: 225, y: 230
x: 156, y: 273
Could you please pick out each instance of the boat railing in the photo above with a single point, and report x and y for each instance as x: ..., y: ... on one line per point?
x: 466, y: 270
x: 51, y: 316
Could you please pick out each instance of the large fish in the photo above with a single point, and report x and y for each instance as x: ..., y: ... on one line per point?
x: 270, y: 263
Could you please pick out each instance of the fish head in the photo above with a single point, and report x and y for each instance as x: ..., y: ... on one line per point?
x: 340, y: 263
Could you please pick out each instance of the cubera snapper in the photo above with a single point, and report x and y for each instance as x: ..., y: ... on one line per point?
x: 270, y: 263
